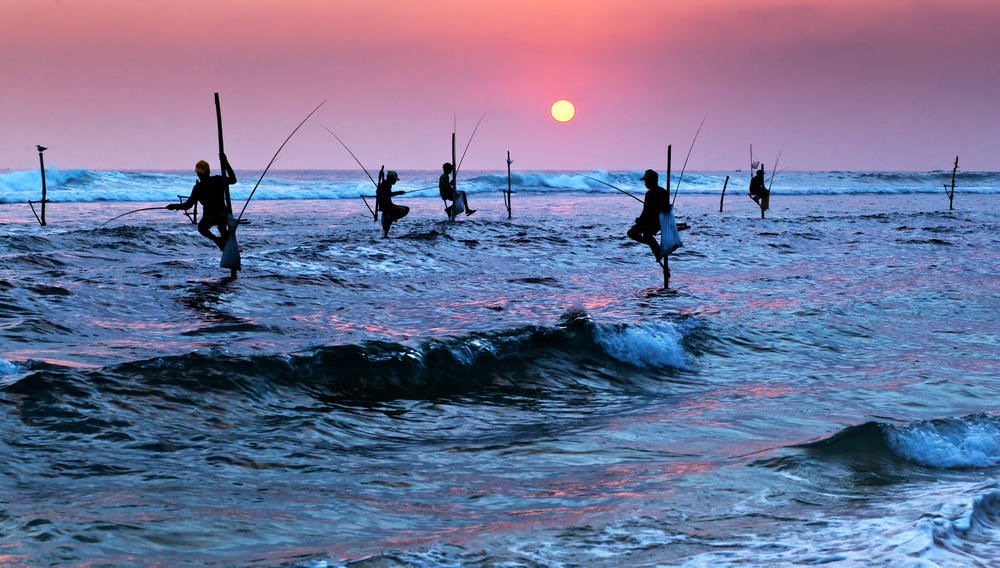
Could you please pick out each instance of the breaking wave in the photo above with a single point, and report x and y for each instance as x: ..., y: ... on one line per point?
x: 951, y: 443
x: 78, y: 185
x: 575, y: 353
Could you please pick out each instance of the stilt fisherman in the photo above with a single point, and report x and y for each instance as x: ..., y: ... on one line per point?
x: 210, y: 191
x: 460, y: 202
x: 647, y: 224
x: 383, y: 202
x: 757, y: 189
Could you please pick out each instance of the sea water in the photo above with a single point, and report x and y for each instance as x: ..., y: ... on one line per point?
x: 815, y: 387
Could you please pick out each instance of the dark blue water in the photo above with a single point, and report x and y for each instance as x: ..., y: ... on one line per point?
x: 816, y: 387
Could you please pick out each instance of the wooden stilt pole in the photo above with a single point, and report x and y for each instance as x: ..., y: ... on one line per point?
x: 381, y: 178
x: 222, y: 150
x: 723, y: 198
x: 951, y: 195
x: 222, y: 167
x: 41, y: 161
x: 454, y: 174
x: 668, y: 169
x: 666, y: 264
x: 507, y: 201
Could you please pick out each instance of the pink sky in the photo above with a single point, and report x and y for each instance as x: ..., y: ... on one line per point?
x: 843, y: 84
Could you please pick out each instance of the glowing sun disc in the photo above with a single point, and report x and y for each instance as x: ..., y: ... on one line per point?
x: 563, y: 110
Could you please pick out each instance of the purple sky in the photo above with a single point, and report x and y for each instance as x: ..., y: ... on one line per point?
x: 842, y: 84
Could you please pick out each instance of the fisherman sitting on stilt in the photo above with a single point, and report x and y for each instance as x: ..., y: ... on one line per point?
x: 647, y: 224
x: 210, y: 191
x: 383, y: 202
x: 447, y: 187
x: 757, y: 188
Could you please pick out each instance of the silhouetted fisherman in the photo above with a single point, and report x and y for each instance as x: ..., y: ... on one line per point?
x: 757, y: 188
x: 383, y: 199
x: 647, y: 224
x: 210, y: 191
x: 446, y: 185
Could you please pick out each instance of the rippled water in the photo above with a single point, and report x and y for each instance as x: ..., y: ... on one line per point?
x: 816, y: 387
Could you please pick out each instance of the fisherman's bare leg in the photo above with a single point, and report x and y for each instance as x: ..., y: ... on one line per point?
x: 207, y: 223
x: 465, y: 199
x: 646, y: 236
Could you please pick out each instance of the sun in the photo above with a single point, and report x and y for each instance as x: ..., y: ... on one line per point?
x: 563, y: 110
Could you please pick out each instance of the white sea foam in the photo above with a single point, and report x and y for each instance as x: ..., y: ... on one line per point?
x: 973, y: 441
x: 654, y: 346
x: 942, y: 528
x: 86, y: 185
x: 8, y: 368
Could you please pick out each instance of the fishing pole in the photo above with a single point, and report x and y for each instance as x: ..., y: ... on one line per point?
x: 275, y: 158
x: 678, y: 188
x: 775, y: 170
x: 129, y: 213
x: 613, y: 187
x: 401, y: 192
x: 459, y: 166
x: 351, y: 153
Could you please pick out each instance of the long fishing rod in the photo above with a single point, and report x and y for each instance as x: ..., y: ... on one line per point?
x: 775, y: 170
x: 129, y: 213
x: 409, y: 191
x: 459, y: 166
x: 351, y: 153
x: 613, y: 187
x: 678, y: 188
x: 276, y: 157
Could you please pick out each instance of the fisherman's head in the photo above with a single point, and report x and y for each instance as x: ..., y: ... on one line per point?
x: 391, y: 177
x: 447, y: 167
x: 651, y: 178
x: 760, y: 172
x: 202, y: 169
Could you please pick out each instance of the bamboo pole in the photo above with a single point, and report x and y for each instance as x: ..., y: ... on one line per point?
x: 454, y: 174
x: 507, y: 201
x: 41, y: 161
x: 723, y: 198
x: 222, y: 168
x: 666, y: 264
x: 222, y: 151
x: 951, y: 195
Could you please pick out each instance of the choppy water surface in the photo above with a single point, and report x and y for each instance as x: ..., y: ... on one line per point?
x: 816, y: 387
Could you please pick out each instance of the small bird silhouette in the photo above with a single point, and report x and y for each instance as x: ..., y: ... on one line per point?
x: 41, y: 148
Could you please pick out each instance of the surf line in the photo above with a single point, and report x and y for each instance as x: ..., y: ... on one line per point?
x: 372, y: 211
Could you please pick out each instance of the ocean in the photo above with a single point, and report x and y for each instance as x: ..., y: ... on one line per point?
x: 819, y: 386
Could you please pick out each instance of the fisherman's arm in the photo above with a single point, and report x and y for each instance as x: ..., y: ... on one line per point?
x: 230, y: 174
x: 191, y: 200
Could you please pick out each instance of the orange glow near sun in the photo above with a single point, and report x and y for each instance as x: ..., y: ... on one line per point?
x: 563, y: 110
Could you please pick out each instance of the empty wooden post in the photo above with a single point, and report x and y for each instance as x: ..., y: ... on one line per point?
x: 41, y: 162
x: 951, y: 194
x: 723, y: 198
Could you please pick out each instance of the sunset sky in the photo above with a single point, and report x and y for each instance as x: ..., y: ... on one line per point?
x: 842, y: 84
